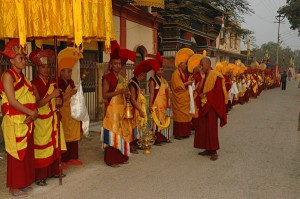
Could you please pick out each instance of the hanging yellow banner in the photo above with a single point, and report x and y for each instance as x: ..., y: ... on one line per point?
x: 67, y: 19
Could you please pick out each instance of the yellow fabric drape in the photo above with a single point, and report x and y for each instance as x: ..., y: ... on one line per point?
x: 210, y: 84
x: 150, y: 3
x: 67, y: 19
x: 114, y: 119
x: 161, y: 119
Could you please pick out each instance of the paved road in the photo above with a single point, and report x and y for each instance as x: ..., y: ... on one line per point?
x: 259, y: 158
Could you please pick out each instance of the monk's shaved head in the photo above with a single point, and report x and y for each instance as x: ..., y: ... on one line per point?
x: 205, y: 63
x: 205, y: 60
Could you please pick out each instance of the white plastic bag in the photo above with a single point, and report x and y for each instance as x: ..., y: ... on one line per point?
x: 78, y: 109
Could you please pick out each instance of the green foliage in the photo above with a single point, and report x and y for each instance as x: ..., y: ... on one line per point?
x: 292, y: 12
x: 236, y: 9
x: 284, y: 54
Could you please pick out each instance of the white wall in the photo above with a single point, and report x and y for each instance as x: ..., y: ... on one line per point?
x: 139, y: 35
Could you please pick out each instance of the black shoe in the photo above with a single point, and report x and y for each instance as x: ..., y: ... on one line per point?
x: 178, y: 137
x: 157, y: 143
x: 41, y: 182
x: 205, y: 153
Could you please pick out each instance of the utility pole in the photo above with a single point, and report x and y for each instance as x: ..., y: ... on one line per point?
x: 279, y: 19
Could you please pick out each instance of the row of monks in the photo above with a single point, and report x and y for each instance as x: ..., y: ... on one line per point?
x: 37, y: 125
x: 35, y: 112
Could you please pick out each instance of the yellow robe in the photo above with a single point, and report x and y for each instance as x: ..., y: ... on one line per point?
x: 180, y: 99
x: 45, y: 133
x: 15, y: 131
x: 160, y: 105
x: 72, y: 128
x: 117, y: 129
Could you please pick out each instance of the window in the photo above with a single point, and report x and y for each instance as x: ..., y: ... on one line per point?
x: 236, y: 42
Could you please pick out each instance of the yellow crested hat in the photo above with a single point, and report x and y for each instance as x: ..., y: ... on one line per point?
x: 218, y: 66
x: 241, y: 70
x: 262, y: 66
x: 182, y: 56
x: 236, y: 71
x: 194, y: 61
x: 68, y: 57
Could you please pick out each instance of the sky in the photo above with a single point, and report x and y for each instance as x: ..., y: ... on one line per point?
x: 265, y: 30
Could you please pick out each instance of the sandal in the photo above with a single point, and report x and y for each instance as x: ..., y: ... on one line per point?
x: 133, y: 150
x: 113, y: 165
x: 19, y: 193
x: 27, y: 189
x: 214, y: 157
x: 41, y: 182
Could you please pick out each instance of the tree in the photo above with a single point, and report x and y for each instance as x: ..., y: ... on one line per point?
x: 284, y: 54
x: 292, y: 11
x: 235, y: 9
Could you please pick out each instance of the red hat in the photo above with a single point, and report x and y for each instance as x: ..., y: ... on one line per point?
x: 146, y: 66
x: 159, y: 59
x: 42, y: 57
x: 12, y: 48
x: 122, y: 54
x: 115, y: 48
x: 126, y: 54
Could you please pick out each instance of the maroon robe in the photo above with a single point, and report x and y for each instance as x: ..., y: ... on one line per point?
x: 195, y: 122
x: 111, y: 154
x: 228, y: 87
x: 206, y: 137
x: 20, y: 174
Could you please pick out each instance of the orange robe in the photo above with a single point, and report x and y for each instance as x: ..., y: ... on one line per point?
x: 72, y: 127
x: 180, y: 105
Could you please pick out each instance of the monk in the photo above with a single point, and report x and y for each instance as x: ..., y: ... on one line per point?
x: 46, y: 132
x: 72, y: 128
x: 194, y: 69
x: 159, y: 103
x: 116, y: 130
x: 138, y: 102
x: 254, y: 85
x: 213, y: 99
x: 180, y: 95
x: 19, y: 111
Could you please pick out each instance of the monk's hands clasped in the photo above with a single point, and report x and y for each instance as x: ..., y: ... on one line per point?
x: 202, y: 95
x: 58, y: 101
x: 73, y: 91
x: 56, y: 93
x: 32, y: 116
